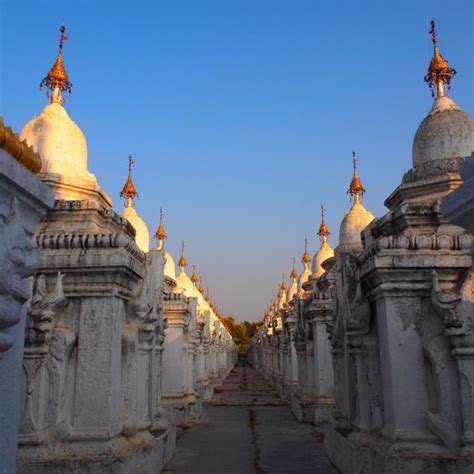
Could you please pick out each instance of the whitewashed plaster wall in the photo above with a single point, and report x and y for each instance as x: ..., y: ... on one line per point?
x: 24, y: 200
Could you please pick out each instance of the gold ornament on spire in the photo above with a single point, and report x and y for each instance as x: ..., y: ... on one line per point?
x: 207, y: 297
x: 201, y: 289
x: 355, y: 188
x: 306, y: 257
x: 182, y: 260
x: 194, y: 277
x: 129, y: 192
x: 57, y: 76
x: 283, y: 283
x: 323, y: 231
x: 160, y: 233
x: 439, y: 71
x: 293, y: 274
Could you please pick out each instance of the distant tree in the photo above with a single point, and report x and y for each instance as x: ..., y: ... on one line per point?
x: 242, y: 333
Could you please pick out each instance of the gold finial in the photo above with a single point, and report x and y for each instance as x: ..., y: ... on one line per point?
x: 160, y: 233
x: 57, y: 77
x: 293, y: 274
x: 182, y: 260
x: 323, y: 228
x: 194, y: 277
x: 306, y: 257
x: 355, y: 188
x: 283, y: 283
x: 439, y: 71
x: 201, y: 289
x: 129, y: 192
x: 207, y: 297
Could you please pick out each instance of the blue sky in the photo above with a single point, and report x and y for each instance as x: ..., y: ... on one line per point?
x: 241, y: 116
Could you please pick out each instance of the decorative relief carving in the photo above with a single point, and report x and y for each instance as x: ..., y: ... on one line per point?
x: 408, y: 242
x: 47, y: 352
x: 457, y: 312
x: 455, y: 308
x: 18, y: 260
x: 44, y: 305
x: 86, y: 241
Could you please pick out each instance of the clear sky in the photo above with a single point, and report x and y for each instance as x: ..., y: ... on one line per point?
x: 241, y: 116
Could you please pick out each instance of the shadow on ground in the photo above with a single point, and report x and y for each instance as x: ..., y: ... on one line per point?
x: 246, y: 428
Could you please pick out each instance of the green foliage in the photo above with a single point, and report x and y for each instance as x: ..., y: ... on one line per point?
x: 242, y: 333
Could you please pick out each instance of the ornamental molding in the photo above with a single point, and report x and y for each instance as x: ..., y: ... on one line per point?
x: 414, y: 243
x: 87, y: 241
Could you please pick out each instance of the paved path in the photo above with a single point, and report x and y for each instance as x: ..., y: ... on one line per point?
x: 247, y: 429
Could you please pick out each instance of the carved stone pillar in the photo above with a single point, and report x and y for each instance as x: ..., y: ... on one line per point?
x: 175, y: 380
x: 23, y: 202
x: 93, y: 356
x: 293, y: 360
x: 300, y: 347
x: 463, y: 352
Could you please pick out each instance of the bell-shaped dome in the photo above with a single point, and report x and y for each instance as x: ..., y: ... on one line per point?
x: 447, y: 132
x: 59, y: 141
x: 304, y: 277
x: 292, y: 290
x: 354, y: 222
x: 306, y: 273
x: 170, y: 266
x: 142, y: 237
x: 185, y: 283
x: 358, y: 217
x: 324, y: 252
x: 129, y: 192
x: 201, y: 302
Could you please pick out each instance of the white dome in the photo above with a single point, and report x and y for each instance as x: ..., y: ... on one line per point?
x: 292, y: 290
x: 282, y: 299
x: 354, y: 222
x: 447, y: 132
x: 59, y: 141
x: 324, y: 252
x: 201, y: 302
x: 142, y: 237
x: 304, y: 277
x: 185, y: 283
x: 170, y: 266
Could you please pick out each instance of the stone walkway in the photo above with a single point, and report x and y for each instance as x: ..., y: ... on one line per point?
x: 247, y: 429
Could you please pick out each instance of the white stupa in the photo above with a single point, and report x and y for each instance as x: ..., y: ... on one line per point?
x: 61, y: 143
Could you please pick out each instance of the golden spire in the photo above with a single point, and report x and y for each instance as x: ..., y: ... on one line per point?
x: 323, y: 228
x: 201, y: 289
x: 293, y: 274
x: 283, y: 283
x: 57, y: 77
x: 439, y: 71
x: 207, y: 297
x: 160, y: 233
x: 194, y: 277
x: 306, y: 257
x: 355, y: 188
x: 182, y: 260
x: 129, y: 192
